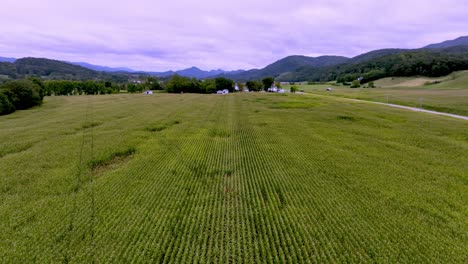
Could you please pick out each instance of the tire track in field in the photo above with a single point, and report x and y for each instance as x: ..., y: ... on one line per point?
x: 415, y: 109
x: 67, y: 255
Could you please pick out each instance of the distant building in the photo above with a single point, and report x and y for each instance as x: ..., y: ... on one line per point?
x: 225, y: 91
x: 236, y: 88
x: 281, y: 91
x: 148, y: 92
x: 273, y: 89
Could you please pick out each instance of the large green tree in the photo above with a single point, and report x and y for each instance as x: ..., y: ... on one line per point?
x: 180, y: 84
x: 224, y: 83
x: 268, y: 82
x: 254, y: 86
x: 209, y: 86
x: 152, y: 83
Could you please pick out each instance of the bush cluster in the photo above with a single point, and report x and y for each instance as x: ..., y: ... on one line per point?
x: 20, y: 94
x: 180, y: 84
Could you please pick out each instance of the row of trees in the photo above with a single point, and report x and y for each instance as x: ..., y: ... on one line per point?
x: 65, y: 87
x: 79, y: 87
x: 20, y: 94
x: 23, y: 94
x: 264, y: 84
x: 180, y: 84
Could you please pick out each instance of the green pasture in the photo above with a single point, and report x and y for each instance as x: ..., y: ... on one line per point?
x: 449, y: 95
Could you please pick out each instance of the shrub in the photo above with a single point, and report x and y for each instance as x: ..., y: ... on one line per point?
x: 6, y: 106
x: 22, y: 94
x: 355, y: 84
x: 294, y: 89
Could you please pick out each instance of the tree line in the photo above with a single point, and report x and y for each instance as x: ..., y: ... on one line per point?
x: 26, y: 93
x: 180, y: 84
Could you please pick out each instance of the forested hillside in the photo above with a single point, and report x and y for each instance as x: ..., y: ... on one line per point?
x: 433, y: 63
x: 55, y: 70
x: 287, y: 64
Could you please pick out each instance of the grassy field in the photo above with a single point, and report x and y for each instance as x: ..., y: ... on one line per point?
x: 241, y: 178
x: 450, y: 95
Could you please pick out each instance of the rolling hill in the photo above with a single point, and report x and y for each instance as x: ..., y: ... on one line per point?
x: 326, y: 68
x: 432, y: 61
x: 102, y: 68
x: 287, y: 64
x: 461, y: 41
x: 54, y: 69
x: 3, y: 59
x: 194, y: 72
x: 425, y: 62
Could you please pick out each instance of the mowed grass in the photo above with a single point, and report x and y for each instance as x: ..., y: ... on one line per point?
x: 450, y: 95
x: 253, y: 178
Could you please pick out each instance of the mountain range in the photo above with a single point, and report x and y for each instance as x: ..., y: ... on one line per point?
x: 292, y: 68
x: 324, y: 68
x: 192, y: 72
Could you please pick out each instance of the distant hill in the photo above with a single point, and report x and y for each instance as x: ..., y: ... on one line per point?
x: 54, y: 69
x: 287, y: 64
x: 302, y: 68
x: 193, y: 72
x: 51, y: 68
x: 424, y: 62
x: 102, y: 68
x: 461, y: 41
x: 432, y: 60
x: 375, y: 54
x: 3, y: 59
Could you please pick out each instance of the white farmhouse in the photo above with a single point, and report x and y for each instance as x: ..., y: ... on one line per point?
x: 225, y: 91
x: 273, y: 89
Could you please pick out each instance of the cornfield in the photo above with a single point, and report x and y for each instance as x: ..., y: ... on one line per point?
x: 239, y: 178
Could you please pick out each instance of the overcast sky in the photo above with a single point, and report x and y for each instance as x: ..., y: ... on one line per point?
x: 210, y: 34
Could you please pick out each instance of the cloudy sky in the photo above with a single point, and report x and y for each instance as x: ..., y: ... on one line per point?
x: 161, y: 35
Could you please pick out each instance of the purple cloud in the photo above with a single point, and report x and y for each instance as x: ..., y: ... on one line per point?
x: 162, y: 35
